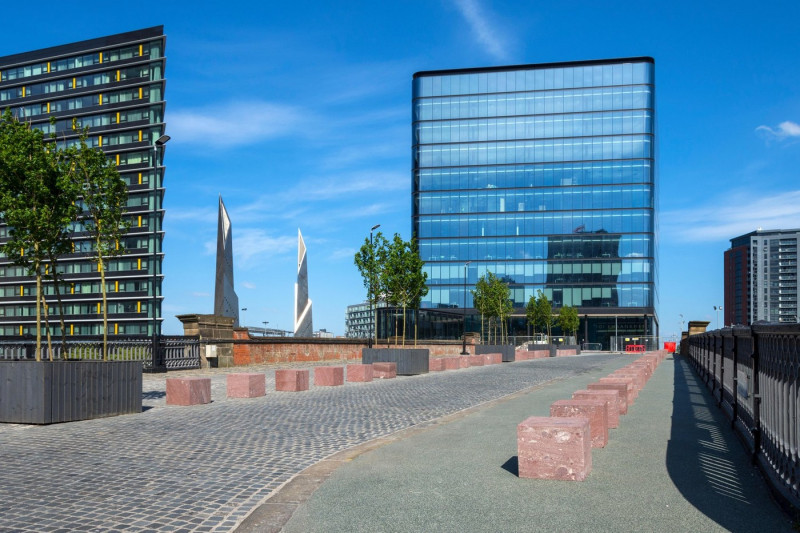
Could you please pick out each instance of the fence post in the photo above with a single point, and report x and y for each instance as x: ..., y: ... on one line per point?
x: 756, y: 400
x: 721, y: 368
x: 735, y: 391
x: 157, y: 363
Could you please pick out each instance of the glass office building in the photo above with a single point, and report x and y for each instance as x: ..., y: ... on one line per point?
x: 544, y: 175
x: 113, y: 85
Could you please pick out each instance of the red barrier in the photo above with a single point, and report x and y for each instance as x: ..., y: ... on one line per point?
x: 634, y: 348
x: 670, y: 347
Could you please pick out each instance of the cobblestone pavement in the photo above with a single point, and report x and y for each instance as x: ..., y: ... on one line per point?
x: 205, y: 468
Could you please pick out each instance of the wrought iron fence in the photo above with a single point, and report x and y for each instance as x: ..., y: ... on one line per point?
x: 754, y: 373
x: 170, y: 352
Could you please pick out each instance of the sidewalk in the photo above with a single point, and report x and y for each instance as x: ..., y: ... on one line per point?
x: 672, y: 465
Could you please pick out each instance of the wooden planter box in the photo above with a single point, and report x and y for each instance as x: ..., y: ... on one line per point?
x: 44, y: 392
x: 410, y: 361
x: 506, y: 349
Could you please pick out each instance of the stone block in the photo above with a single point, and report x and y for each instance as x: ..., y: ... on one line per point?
x: 628, y: 380
x: 620, y: 388
x: 384, y: 370
x: 609, y: 396
x: 436, y: 364
x: 521, y: 355
x: 246, y: 385
x: 638, y: 379
x: 359, y: 373
x: 554, y: 448
x: 492, y: 358
x: 475, y: 360
x: 452, y: 363
x: 188, y: 391
x: 291, y: 380
x: 464, y: 361
x: 595, y: 410
x: 328, y: 376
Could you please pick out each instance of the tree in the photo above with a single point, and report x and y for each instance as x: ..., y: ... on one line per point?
x: 491, y: 298
x: 544, y: 313
x: 104, y: 196
x: 568, y: 320
x: 37, y: 202
x: 369, y: 260
x: 402, y: 276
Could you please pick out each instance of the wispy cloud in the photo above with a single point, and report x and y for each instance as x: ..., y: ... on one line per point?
x: 251, y: 245
x: 343, y: 253
x: 237, y: 123
x: 479, y: 21
x: 721, y: 219
x: 248, y: 285
x: 199, y: 294
x: 785, y: 130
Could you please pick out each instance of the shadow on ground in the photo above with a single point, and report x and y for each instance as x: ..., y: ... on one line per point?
x: 709, y: 465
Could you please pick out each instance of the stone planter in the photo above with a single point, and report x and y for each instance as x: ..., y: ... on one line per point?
x: 44, y: 392
x: 410, y: 361
x: 506, y: 349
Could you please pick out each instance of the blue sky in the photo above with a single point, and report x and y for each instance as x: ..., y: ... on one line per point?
x: 298, y: 113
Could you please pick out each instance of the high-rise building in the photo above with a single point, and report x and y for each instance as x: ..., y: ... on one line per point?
x: 761, y: 277
x: 303, y: 321
x: 114, y: 86
x: 544, y: 175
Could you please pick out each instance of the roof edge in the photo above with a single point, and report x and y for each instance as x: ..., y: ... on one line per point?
x: 584, y: 63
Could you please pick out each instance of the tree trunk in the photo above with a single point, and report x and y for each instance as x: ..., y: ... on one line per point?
x: 47, y: 328
x: 102, y: 270
x: 38, y: 316
x: 404, y: 326
x: 60, y: 311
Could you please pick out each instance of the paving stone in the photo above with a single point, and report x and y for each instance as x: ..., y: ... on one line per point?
x: 205, y: 467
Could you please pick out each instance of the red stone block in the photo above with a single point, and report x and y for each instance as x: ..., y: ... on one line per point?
x: 609, y: 396
x: 328, y: 376
x: 452, y: 363
x: 628, y: 382
x: 359, y: 373
x: 475, y: 360
x: 554, y: 448
x: 464, y: 361
x: 291, y: 380
x: 638, y: 379
x: 521, y: 355
x: 595, y: 410
x: 539, y: 354
x: 188, y: 391
x: 620, y: 388
x: 492, y: 358
x: 436, y: 364
x: 384, y: 370
x: 246, y: 385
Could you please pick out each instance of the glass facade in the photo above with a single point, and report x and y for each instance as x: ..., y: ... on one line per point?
x: 114, y: 86
x: 544, y: 175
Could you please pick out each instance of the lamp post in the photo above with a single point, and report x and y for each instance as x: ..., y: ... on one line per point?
x: 160, y: 142
x: 464, y: 315
x: 718, y: 308
x: 265, y: 327
x: 244, y: 310
x: 370, y: 295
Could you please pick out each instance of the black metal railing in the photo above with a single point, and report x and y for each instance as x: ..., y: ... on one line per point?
x: 754, y: 373
x: 158, y: 353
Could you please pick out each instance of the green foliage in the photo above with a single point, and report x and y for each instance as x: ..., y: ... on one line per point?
x: 402, y: 277
x: 369, y: 260
x: 104, y: 196
x: 539, y: 312
x: 37, y: 202
x: 568, y: 320
x: 492, y: 299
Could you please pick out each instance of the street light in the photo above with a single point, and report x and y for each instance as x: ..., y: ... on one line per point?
x: 265, y: 327
x: 718, y: 308
x: 160, y: 142
x: 370, y: 296
x: 244, y: 309
x: 464, y: 315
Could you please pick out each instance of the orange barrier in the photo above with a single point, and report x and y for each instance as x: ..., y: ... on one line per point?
x: 634, y: 348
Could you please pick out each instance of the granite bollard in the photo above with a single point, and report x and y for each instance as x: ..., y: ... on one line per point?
x: 328, y: 376
x: 188, y: 391
x: 359, y: 373
x: 595, y: 410
x: 554, y: 448
x: 291, y: 380
x: 246, y: 385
